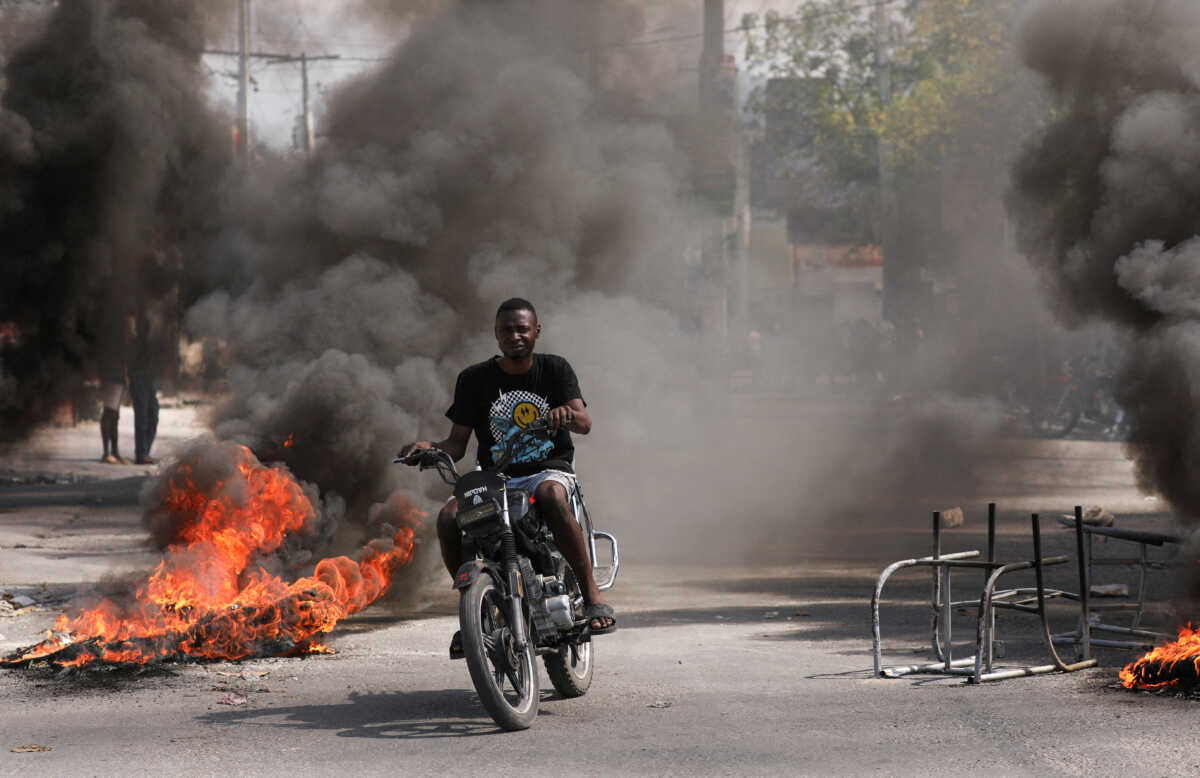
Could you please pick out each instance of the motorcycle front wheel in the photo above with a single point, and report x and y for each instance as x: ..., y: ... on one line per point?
x: 505, y: 678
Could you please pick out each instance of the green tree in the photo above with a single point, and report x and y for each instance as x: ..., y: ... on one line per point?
x: 960, y: 107
x: 956, y: 92
x: 816, y: 109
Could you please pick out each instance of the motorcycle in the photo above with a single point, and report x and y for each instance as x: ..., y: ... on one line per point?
x: 1086, y: 395
x: 518, y: 597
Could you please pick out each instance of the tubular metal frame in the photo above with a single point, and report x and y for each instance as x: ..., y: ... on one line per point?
x: 1089, y: 620
x: 979, y: 668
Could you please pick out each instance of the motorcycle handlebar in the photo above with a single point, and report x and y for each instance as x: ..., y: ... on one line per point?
x: 427, y: 458
x: 537, y: 425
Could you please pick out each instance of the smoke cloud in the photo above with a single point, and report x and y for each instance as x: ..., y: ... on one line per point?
x: 477, y: 164
x: 107, y: 152
x: 1107, y: 202
x: 504, y: 149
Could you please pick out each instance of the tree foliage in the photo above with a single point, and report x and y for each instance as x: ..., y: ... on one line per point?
x: 955, y: 92
x: 818, y: 99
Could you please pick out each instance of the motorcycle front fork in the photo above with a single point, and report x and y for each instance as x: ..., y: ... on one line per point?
x: 516, y: 592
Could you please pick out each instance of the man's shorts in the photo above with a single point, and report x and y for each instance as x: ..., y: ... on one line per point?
x: 530, y: 483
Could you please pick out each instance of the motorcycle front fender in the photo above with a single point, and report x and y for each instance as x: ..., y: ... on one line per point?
x: 471, y: 569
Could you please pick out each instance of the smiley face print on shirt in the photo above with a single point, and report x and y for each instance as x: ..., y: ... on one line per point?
x: 512, y: 412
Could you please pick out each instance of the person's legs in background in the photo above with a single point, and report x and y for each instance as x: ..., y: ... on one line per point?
x: 145, y: 417
x: 109, y: 421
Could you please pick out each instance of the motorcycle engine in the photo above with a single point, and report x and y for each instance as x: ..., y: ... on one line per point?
x: 549, y: 601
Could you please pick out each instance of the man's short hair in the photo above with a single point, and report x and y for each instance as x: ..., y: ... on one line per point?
x: 516, y: 304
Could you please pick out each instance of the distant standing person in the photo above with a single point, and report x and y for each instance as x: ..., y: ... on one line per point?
x: 112, y: 364
x: 143, y: 390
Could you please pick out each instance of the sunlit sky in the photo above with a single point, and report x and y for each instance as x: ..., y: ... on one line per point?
x: 323, y: 27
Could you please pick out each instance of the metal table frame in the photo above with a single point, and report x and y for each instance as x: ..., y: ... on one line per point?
x: 979, y: 667
x: 1089, y: 620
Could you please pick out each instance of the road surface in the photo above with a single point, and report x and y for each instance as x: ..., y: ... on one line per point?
x: 715, y: 669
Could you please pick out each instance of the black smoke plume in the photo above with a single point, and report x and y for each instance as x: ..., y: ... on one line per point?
x: 489, y: 157
x: 506, y: 148
x: 108, y: 157
x: 1107, y: 202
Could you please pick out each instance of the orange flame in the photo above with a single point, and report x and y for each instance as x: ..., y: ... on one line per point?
x: 207, y: 599
x: 1166, y: 666
x: 291, y: 440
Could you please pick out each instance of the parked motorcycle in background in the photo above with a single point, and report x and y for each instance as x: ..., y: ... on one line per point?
x: 1084, y: 401
x: 518, y: 598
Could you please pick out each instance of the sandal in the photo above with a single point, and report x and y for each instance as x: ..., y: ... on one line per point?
x: 599, y: 611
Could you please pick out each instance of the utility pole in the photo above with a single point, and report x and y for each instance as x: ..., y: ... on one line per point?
x: 882, y: 54
x: 243, y: 144
x: 712, y: 177
x: 722, y: 184
x: 894, y: 274
x: 714, y: 43
x: 307, y: 135
x: 306, y: 116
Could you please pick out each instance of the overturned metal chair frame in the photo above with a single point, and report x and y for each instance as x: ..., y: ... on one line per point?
x: 979, y: 667
x: 1089, y: 621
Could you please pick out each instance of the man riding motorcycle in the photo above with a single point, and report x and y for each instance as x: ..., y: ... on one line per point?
x: 497, y: 398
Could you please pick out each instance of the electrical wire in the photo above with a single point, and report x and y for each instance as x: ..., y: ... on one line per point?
x: 803, y: 17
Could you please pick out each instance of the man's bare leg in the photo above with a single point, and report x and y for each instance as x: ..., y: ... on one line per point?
x: 552, y: 504
x: 450, y: 537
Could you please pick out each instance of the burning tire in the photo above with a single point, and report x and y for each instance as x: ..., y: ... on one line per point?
x: 505, y: 678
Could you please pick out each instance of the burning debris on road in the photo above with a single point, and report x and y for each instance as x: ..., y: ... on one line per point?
x: 1175, y: 665
x: 214, y: 595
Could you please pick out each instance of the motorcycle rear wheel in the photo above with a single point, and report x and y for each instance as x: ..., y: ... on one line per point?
x: 570, y: 669
x: 506, y: 679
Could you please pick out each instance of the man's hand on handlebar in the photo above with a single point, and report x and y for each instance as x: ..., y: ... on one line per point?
x: 558, y: 418
x: 408, y: 454
x: 454, y: 446
x: 429, y: 456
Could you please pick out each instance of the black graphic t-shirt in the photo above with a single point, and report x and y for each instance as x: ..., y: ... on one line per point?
x: 496, y: 405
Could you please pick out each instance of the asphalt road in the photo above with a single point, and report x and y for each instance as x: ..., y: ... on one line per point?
x: 714, y: 670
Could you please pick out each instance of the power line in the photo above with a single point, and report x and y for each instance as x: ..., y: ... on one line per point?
x: 312, y: 39
x: 348, y: 59
x: 273, y: 58
x: 625, y: 44
x: 365, y: 59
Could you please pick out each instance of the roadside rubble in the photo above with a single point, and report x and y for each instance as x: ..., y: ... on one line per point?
x: 1097, y: 516
x: 9, y: 478
x: 14, y: 604
x: 952, y: 517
